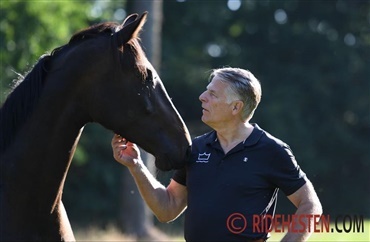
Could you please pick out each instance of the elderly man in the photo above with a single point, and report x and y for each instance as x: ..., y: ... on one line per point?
x: 230, y: 184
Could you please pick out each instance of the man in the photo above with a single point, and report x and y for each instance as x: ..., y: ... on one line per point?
x: 229, y: 186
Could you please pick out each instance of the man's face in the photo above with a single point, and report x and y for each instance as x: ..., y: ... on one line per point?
x: 216, y: 109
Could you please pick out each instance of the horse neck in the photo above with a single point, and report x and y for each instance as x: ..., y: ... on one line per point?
x: 40, y: 156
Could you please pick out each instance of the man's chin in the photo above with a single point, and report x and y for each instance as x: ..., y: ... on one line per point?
x: 205, y: 121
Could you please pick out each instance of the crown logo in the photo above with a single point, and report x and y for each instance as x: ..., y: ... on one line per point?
x: 203, y: 158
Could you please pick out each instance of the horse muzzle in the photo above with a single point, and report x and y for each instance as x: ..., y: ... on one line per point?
x: 172, y: 161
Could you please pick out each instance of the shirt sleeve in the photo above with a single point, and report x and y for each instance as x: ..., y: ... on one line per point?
x: 180, y: 176
x: 285, y: 172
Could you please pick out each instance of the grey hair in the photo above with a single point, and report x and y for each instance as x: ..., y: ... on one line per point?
x: 243, y: 86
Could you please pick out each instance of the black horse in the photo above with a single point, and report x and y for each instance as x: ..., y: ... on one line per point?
x: 102, y: 75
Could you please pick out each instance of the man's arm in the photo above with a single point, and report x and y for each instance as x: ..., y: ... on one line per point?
x: 166, y: 203
x: 307, y: 203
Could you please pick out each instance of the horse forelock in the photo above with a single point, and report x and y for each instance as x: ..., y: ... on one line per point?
x: 21, y: 102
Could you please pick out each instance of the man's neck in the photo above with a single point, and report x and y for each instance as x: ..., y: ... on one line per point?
x: 232, y: 135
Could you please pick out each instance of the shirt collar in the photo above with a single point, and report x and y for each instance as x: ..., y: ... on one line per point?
x: 255, y: 136
x: 252, y: 139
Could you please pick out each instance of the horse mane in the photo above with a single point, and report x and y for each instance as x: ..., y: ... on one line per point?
x: 27, y: 90
x: 139, y: 57
x: 107, y: 28
x: 21, y: 102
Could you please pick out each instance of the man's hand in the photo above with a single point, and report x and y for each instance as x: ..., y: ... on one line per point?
x: 125, y: 152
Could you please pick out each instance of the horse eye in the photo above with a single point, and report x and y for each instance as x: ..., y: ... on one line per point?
x: 149, y: 77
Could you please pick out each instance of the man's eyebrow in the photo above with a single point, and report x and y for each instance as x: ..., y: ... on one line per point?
x: 211, y: 90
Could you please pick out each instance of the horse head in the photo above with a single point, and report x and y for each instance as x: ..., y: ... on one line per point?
x: 122, y: 91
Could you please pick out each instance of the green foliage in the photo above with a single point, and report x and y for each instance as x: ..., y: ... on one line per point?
x: 29, y: 29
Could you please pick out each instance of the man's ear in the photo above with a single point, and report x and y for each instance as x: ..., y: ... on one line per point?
x: 237, y: 106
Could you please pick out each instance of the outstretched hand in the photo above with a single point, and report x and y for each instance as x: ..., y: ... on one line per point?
x: 125, y: 152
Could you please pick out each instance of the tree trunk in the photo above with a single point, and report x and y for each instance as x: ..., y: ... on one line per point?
x: 136, y: 217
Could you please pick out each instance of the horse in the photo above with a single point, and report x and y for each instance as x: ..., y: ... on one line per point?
x: 101, y: 75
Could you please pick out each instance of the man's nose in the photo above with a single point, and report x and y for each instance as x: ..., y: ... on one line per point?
x: 201, y: 97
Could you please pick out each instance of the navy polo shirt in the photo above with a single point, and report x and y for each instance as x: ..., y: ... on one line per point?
x: 225, y: 191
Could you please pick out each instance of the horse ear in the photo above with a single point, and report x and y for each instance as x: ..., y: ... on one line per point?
x: 131, y: 18
x: 130, y: 28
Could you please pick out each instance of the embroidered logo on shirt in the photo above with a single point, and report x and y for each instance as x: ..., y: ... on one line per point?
x: 245, y: 159
x: 203, y: 158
